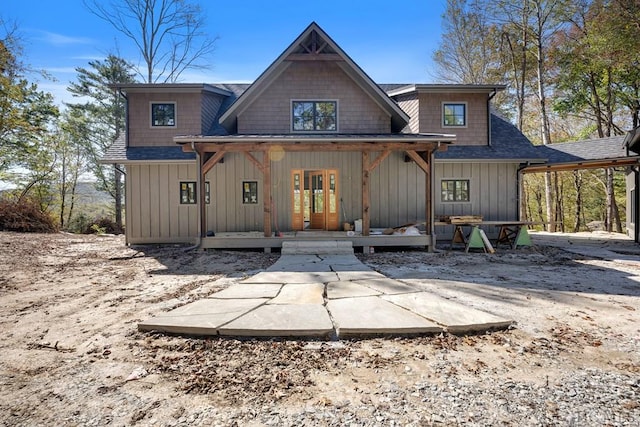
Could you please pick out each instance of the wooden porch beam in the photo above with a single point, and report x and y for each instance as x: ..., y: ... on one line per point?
x: 255, y: 161
x: 298, y: 146
x: 311, y: 56
x: 421, y: 162
x: 379, y: 160
x: 266, y: 191
x: 209, y: 164
x: 366, y: 197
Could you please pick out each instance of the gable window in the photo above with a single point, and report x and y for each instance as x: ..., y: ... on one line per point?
x: 454, y: 190
x: 454, y: 114
x: 314, y: 116
x: 163, y: 114
x: 188, y: 193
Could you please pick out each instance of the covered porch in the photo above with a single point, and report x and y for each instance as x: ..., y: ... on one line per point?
x: 262, y: 150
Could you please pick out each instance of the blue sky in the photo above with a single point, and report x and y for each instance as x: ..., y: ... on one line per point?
x: 392, y: 41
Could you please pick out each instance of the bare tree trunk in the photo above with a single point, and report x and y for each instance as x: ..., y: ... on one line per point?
x: 613, y: 215
x: 538, y: 195
x: 63, y: 189
x: 559, y: 206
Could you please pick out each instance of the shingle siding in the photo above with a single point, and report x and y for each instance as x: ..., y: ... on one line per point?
x: 188, y: 118
x: 410, y: 104
x: 210, y: 110
x: 430, y: 116
x: 313, y: 80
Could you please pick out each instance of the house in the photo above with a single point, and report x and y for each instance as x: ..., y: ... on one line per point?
x: 313, y: 144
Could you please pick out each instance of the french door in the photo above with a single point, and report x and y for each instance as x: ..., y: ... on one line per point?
x: 315, y: 200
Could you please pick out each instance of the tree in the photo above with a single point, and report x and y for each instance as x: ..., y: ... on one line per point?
x: 169, y: 34
x: 467, y: 52
x: 598, y: 76
x: 72, y: 150
x: 25, y: 111
x: 104, y: 114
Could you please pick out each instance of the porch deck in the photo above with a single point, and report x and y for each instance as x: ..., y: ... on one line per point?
x: 256, y: 239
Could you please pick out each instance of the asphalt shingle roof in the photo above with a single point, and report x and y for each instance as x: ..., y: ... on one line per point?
x: 590, y: 149
x: 507, y: 143
x: 119, y: 153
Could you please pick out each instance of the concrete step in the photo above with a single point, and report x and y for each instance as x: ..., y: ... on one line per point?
x: 316, y: 247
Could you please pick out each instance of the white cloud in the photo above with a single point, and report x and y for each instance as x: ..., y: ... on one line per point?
x: 60, y: 70
x: 62, y: 40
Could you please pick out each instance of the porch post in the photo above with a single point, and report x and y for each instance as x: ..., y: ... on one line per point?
x: 365, y: 194
x: 266, y: 191
x: 200, y: 173
x: 429, y: 204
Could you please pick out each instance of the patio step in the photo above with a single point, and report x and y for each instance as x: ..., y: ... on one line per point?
x: 316, y: 247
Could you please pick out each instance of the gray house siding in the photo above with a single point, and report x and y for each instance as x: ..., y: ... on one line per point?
x: 397, y: 192
x: 632, y: 193
x: 154, y: 213
x: 493, y: 192
x: 226, y: 212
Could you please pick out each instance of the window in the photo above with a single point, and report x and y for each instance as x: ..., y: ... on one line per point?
x: 249, y: 192
x: 188, y: 193
x: 454, y: 114
x: 163, y: 114
x: 454, y: 190
x: 314, y: 116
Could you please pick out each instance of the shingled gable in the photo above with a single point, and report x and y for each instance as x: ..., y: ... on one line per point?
x: 315, y: 44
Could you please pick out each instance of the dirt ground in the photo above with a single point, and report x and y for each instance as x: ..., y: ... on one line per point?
x: 70, y: 353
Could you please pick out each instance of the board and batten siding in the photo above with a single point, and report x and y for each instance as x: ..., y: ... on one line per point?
x: 226, y: 212
x: 493, y: 192
x: 397, y: 194
x: 154, y: 213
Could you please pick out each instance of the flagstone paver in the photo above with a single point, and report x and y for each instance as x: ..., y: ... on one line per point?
x: 326, y: 295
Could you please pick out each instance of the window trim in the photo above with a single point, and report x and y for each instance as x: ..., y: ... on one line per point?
x: 195, y: 192
x: 242, y: 192
x: 466, y: 114
x: 207, y: 192
x: 292, y: 101
x: 175, y: 115
x: 468, y: 181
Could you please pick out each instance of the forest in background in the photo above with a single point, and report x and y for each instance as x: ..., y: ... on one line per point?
x: 571, y: 69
